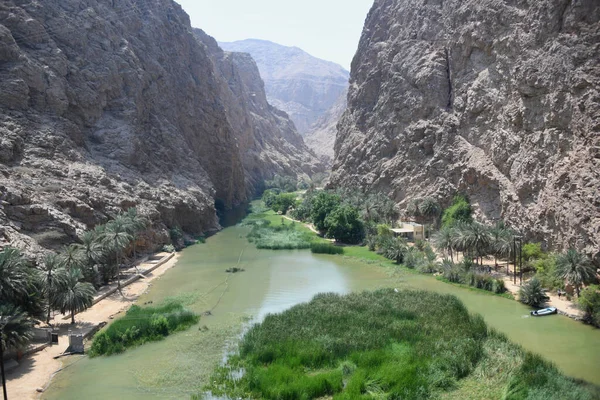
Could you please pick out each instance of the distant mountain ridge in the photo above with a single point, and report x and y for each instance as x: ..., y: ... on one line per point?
x: 303, y: 86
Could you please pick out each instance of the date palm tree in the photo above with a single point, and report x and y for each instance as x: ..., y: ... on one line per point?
x: 430, y: 209
x: 135, y: 223
x: 15, y: 332
x: 532, y: 293
x: 73, y: 295
x: 14, y: 276
x: 117, y: 238
x: 52, y: 276
x: 92, y: 252
x: 443, y: 240
x: 476, y: 239
x: 71, y: 257
x: 395, y: 250
x: 575, y: 268
x: 502, y: 243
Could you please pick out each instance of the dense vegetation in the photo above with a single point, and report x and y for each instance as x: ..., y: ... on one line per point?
x: 141, y: 325
x: 66, y: 281
x: 385, y: 344
x: 284, y: 236
x: 326, y: 248
x: 589, y: 301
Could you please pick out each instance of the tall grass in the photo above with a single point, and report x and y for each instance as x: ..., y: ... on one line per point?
x: 141, y: 325
x: 277, y: 236
x: 385, y: 344
x: 402, y: 344
x: 326, y: 248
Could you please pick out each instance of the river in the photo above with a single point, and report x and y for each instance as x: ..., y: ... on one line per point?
x: 273, y: 281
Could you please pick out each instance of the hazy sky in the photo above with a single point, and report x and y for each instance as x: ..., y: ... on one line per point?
x: 328, y: 29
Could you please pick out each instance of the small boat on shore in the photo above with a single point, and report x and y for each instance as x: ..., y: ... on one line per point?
x: 544, y: 311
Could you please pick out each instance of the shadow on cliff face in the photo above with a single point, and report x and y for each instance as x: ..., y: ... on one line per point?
x: 231, y: 216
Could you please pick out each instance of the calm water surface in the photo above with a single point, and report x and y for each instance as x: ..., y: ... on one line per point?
x: 273, y: 281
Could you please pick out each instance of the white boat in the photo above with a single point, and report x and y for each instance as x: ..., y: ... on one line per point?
x: 544, y: 311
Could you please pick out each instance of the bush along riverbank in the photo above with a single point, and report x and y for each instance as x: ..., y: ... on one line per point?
x: 386, y: 344
x: 141, y: 325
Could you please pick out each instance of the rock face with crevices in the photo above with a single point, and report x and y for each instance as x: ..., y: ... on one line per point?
x: 303, y: 86
x: 267, y: 139
x: 106, y: 105
x: 496, y: 99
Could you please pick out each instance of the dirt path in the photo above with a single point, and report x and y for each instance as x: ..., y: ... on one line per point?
x: 564, y: 306
x: 37, y: 370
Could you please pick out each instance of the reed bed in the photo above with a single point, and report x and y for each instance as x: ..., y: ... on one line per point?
x: 141, y: 325
x: 385, y: 344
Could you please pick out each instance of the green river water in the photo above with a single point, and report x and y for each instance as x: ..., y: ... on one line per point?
x: 273, y: 281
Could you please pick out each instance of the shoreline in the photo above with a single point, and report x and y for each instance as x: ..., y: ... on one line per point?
x: 36, y: 371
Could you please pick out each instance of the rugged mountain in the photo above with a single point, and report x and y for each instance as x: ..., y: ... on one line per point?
x: 267, y: 139
x: 321, y: 137
x: 497, y: 99
x: 106, y: 105
x: 303, y: 86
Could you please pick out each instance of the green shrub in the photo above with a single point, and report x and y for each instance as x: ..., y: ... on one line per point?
x: 532, y: 251
x: 283, y: 202
x: 269, y: 197
x: 589, y: 302
x: 460, y: 210
x: 141, y: 325
x: 168, y: 248
x: 323, y: 203
x: 547, y: 274
x: 531, y: 293
x: 326, y: 248
x: 277, y: 237
x: 344, y: 225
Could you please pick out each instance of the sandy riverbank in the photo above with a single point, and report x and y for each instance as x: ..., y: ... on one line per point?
x: 564, y: 306
x: 37, y: 370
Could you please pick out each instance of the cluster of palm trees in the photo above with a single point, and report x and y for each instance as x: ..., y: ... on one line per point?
x: 65, y: 282
x: 424, y: 210
x: 475, y: 240
x: 373, y: 208
x: 478, y: 241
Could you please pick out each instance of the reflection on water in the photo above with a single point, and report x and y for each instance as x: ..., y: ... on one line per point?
x: 297, y: 278
x: 274, y: 281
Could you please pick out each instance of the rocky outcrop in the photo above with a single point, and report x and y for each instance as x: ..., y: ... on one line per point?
x: 500, y: 100
x: 303, y: 86
x: 321, y: 137
x: 267, y: 139
x: 106, y: 105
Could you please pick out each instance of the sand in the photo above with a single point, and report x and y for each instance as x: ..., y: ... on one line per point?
x: 36, y: 371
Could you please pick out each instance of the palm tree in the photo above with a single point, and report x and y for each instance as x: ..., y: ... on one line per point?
x: 502, y: 243
x: 136, y: 224
x: 117, y: 238
x: 575, y: 268
x: 532, y: 293
x: 476, y: 238
x: 72, y: 295
x: 92, y: 252
x: 52, y: 277
x: 71, y: 257
x: 395, y: 250
x: 14, y: 277
x: 371, y: 242
x: 443, y: 240
x: 430, y: 209
x: 15, y: 332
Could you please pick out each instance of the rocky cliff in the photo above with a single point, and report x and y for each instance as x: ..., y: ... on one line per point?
x: 106, y: 105
x: 497, y: 99
x: 321, y: 137
x: 303, y: 86
x: 267, y: 139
